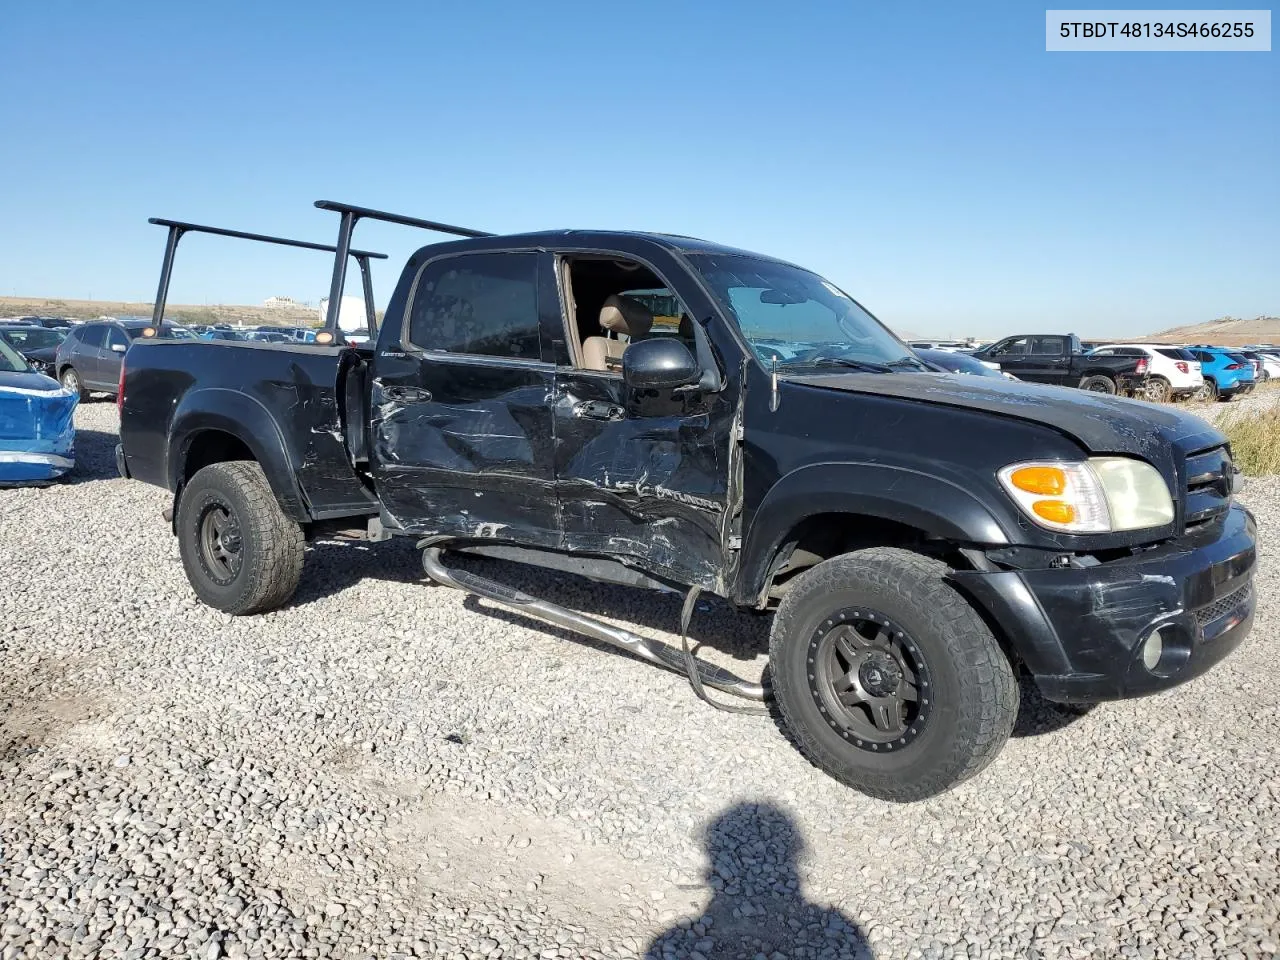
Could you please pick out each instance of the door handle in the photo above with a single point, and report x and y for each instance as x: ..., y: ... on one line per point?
x: 597, y: 410
x: 406, y: 394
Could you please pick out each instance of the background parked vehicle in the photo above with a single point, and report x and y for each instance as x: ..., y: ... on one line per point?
x: 1058, y: 359
x: 38, y: 345
x: 37, y: 435
x: 955, y: 362
x: 1224, y: 374
x: 88, y: 360
x: 214, y: 333
x: 1172, y: 373
x: 1261, y: 371
x: 1270, y: 363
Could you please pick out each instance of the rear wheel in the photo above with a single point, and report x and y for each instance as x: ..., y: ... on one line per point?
x: 1208, y: 390
x: 1157, y: 390
x: 241, y: 553
x: 70, y: 380
x: 1098, y: 384
x: 887, y: 678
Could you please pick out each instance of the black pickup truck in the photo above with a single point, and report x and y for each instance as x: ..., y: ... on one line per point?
x: 669, y: 413
x: 1061, y: 359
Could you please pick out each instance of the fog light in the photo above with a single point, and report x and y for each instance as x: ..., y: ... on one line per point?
x: 1152, y: 651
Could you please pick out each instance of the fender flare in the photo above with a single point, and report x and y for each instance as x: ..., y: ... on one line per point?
x: 938, y: 507
x: 246, y: 419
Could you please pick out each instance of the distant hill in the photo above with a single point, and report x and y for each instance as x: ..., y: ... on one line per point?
x: 1228, y: 331
x: 183, y: 313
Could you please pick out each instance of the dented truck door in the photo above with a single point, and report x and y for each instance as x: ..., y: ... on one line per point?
x: 645, y: 480
x: 461, y: 424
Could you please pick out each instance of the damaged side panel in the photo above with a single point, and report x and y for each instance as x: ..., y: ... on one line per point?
x: 645, y: 483
x: 463, y: 447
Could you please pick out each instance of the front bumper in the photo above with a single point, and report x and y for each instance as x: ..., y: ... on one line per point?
x: 1081, y: 631
x: 24, y: 466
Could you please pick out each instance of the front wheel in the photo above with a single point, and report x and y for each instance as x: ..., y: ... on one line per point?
x: 241, y: 553
x: 1098, y: 384
x: 887, y: 678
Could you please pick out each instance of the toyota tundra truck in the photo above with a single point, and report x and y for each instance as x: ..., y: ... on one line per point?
x: 673, y: 414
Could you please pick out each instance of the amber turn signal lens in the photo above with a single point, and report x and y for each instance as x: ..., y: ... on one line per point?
x: 1055, y: 511
x: 1047, y: 481
x: 324, y: 336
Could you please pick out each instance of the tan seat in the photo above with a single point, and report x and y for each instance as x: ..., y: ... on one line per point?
x: 622, y: 317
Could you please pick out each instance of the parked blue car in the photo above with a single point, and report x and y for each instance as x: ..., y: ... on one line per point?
x: 1226, y: 373
x: 37, y: 435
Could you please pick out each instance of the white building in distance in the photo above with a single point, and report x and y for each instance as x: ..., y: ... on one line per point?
x: 282, y: 302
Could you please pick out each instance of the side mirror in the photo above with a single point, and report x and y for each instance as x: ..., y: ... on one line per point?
x: 118, y: 348
x: 660, y: 364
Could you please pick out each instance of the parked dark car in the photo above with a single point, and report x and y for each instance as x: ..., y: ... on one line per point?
x: 52, y: 322
x: 37, y: 433
x: 954, y: 362
x: 214, y: 333
x: 1060, y: 359
x: 88, y: 360
x: 919, y: 537
x: 38, y: 345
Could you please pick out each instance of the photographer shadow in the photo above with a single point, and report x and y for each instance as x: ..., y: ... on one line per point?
x: 758, y: 907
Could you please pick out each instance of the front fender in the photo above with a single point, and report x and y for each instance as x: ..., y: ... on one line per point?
x: 243, y: 417
x: 937, y: 507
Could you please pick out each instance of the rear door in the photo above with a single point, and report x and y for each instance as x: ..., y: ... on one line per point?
x: 86, y: 357
x: 111, y: 357
x: 461, y: 422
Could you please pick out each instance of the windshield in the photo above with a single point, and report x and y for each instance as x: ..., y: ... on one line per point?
x: 32, y: 338
x: 794, y: 318
x: 11, y: 361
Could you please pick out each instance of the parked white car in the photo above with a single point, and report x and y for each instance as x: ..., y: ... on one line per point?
x: 1270, y: 364
x: 1173, y: 373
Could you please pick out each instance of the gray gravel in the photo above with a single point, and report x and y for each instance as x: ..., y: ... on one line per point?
x: 388, y: 768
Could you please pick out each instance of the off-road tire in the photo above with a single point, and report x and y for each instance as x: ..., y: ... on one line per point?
x: 1098, y: 384
x: 272, y: 544
x: 70, y: 380
x: 1157, y: 390
x: 972, y: 680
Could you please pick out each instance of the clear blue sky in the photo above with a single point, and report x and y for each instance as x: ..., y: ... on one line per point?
x: 933, y: 160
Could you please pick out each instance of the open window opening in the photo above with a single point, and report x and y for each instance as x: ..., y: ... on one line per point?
x: 611, y: 303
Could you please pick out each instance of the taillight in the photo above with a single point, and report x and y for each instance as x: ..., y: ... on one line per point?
x: 1182, y: 366
x: 1142, y: 366
x: 1232, y: 366
x: 120, y: 390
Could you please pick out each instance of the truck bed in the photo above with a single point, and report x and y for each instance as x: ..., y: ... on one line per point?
x: 285, y: 395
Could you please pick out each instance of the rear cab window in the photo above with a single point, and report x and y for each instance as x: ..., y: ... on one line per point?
x: 478, y: 305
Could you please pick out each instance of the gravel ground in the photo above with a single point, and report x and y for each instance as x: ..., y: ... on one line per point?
x: 387, y: 768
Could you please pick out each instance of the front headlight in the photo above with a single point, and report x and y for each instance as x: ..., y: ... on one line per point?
x: 1099, y: 495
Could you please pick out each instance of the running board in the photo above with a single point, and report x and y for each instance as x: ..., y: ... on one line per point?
x: 654, y: 651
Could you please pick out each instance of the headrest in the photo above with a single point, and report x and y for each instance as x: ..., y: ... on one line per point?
x: 626, y: 316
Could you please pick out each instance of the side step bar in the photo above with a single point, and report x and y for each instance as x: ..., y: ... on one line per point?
x: 654, y: 651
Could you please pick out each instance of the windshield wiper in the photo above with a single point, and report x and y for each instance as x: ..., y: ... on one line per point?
x: 856, y: 364
x: 909, y: 361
